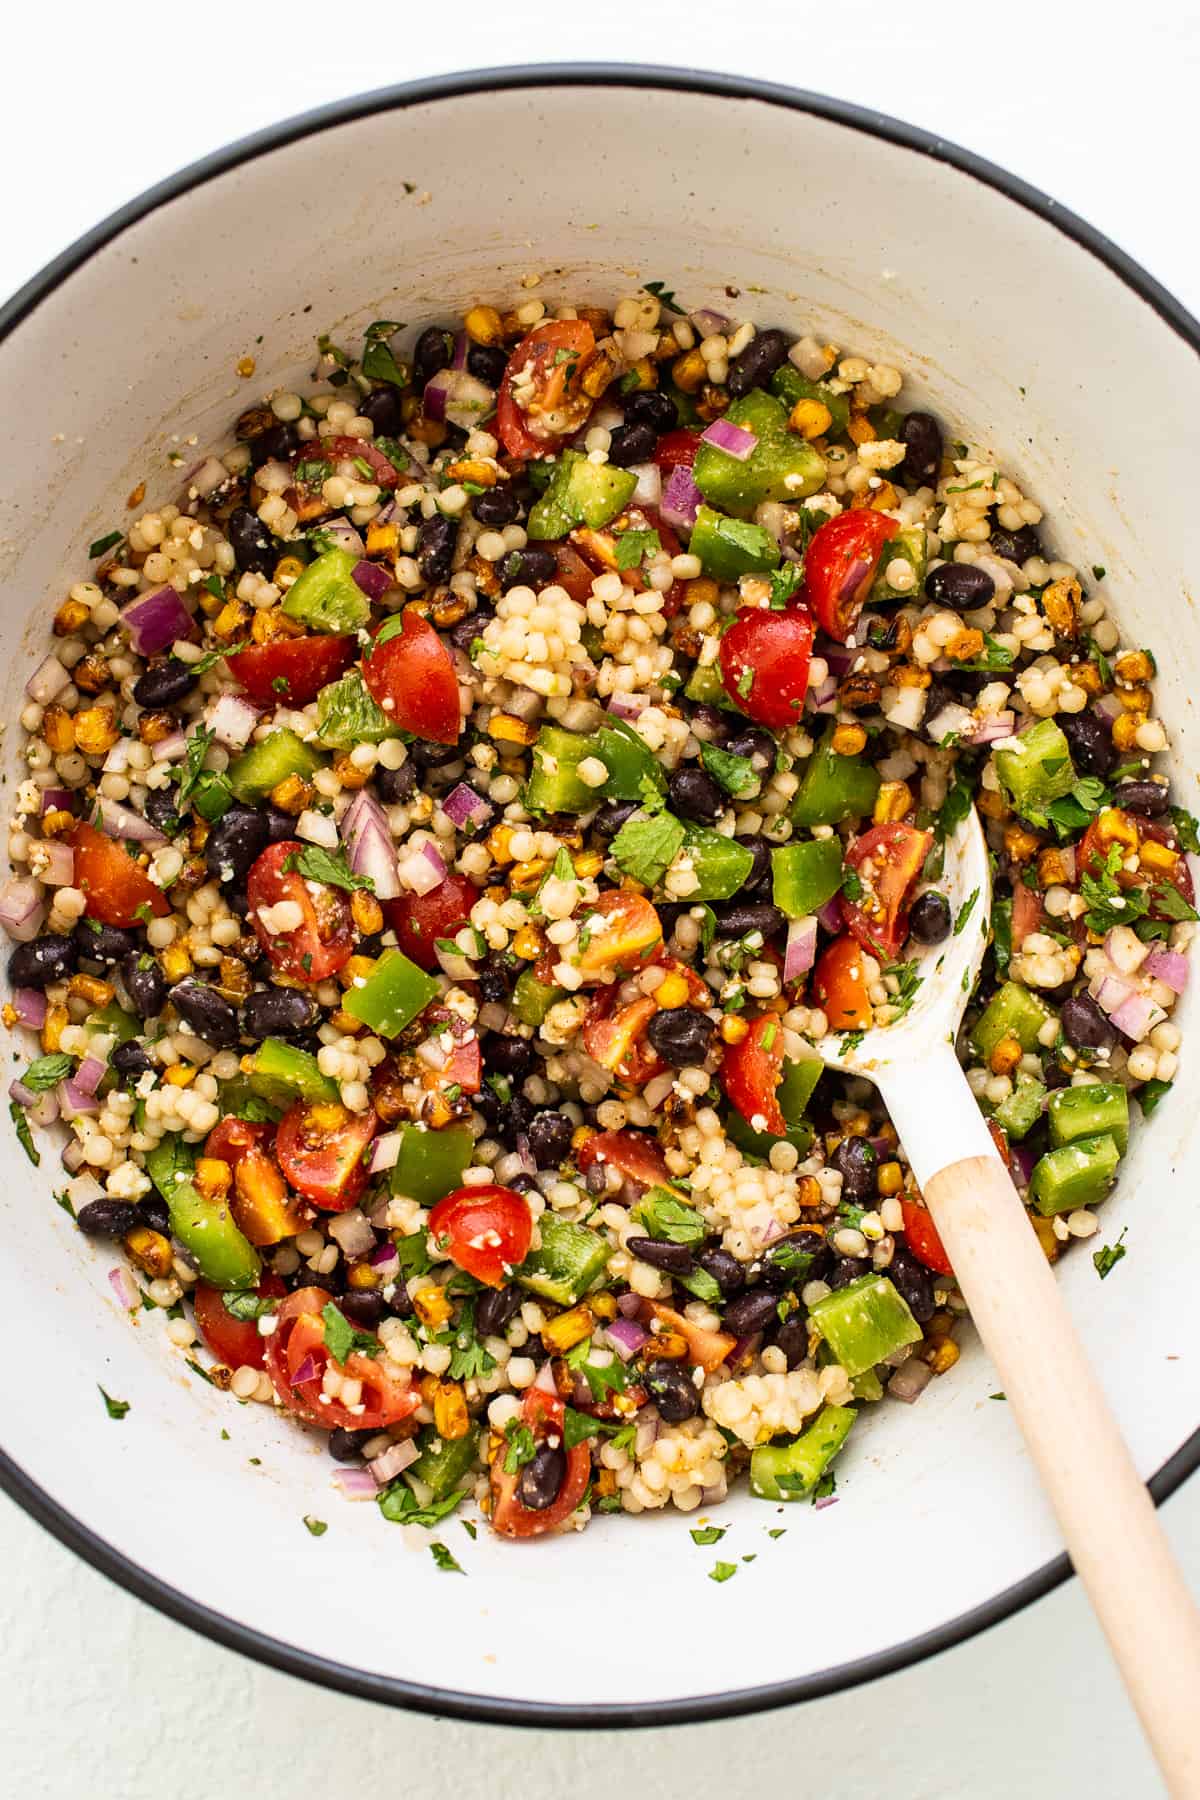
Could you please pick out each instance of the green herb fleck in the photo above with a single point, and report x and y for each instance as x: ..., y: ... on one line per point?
x: 24, y: 1134
x: 722, y: 1571
x: 116, y: 1409
x: 708, y: 1534
x: 315, y: 1527
x: 46, y: 1072
x: 331, y: 867
x: 965, y: 911
x: 104, y: 543
x: 1108, y: 1256
x: 444, y: 1560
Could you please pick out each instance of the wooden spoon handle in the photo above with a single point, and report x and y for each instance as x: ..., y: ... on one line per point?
x: 1112, y: 1532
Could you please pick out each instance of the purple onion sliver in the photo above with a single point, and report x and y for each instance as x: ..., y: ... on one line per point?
x: 29, y: 1004
x: 123, y: 1286
x: 58, y: 800
x: 731, y: 440
x: 306, y: 1372
x: 373, y: 579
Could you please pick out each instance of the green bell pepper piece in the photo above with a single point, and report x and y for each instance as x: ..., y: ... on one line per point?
x: 347, y: 715
x: 1035, y: 769
x: 238, y: 1100
x: 804, y: 876
x: 791, y: 1471
x: 281, y: 1074
x: 1084, y: 1112
x: 204, y: 1227
x: 553, y: 785
x: 568, y: 1261
x: 908, y: 545
x: 795, y: 1090
x: 789, y: 385
x: 326, y: 596
x: 114, y: 1021
x: 532, y: 999
x: 444, y: 1463
x: 782, y: 465
x: 431, y: 1163
x: 864, y: 1322
x: 1020, y: 1112
x: 705, y: 687
x: 834, y: 788
x: 264, y: 765
x: 729, y: 547
x: 392, y: 995
x: 630, y: 763
x: 580, y: 493
x: 720, y: 863
x: 1076, y: 1174
x: 1012, y: 1011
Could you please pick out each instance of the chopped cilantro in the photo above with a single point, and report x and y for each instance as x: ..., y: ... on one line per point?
x: 444, y: 1560
x: 664, y: 294
x: 601, y: 1378
x: 105, y: 543
x: 47, y: 1072
x: 315, y: 1527
x: 825, y: 1487
x: 378, y: 363
x: 633, y: 547
x: 1108, y: 903
x: 722, y: 1571
x: 342, y: 1338
x: 211, y: 657
x: 521, y: 1446
x: 400, y: 1505
x: 245, y: 1304
x: 708, y: 1534
x: 198, y: 745
x: 1150, y: 1095
x: 24, y: 1134
x: 736, y: 774
x: 316, y: 864
x: 667, y: 1218
x: 784, y: 582
x: 116, y: 1409
x: 644, y: 849
x: 965, y: 911
x: 955, y: 806
x: 1105, y: 1260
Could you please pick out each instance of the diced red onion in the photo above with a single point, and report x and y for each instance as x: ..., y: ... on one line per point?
x: 1108, y: 707
x: 1124, y: 950
x: 433, y: 400
x: 457, y: 398
x: 433, y: 858
x: 351, y: 1233
x: 839, y: 659
x: 681, y: 499
x: 123, y: 1286
x: 707, y: 322
x: 824, y: 1501
x: 72, y: 1156
x: 829, y: 916
x: 395, y: 1459
x: 75, y: 1100
x: 648, y: 491
x: 951, y: 720
x: 122, y: 822
x: 58, y: 800
x: 386, y: 1252
x: 1136, y: 1017
x: 306, y: 1372
x: 22, y: 908
x: 1170, y: 967
x: 465, y: 808
x: 1024, y: 1160
x: 231, y: 719
x: 369, y: 846
x: 823, y: 697
x: 355, y: 1484
x: 646, y: 1434
x: 155, y: 620
x: 29, y: 1004
x: 117, y: 760
x: 910, y: 1380
x: 372, y: 578
x: 628, y: 706
x: 528, y: 1164
x: 385, y: 1153
x: 44, y: 1111
x: 90, y: 1074
x: 629, y: 1305
x: 544, y: 1379
x: 170, y: 749
x: 626, y: 1337
x: 344, y: 535
x: 462, y: 345
x: 55, y: 862
x: 1111, y: 991
x: 47, y: 681
x: 23, y: 1096
x: 744, y: 1348
x: 856, y: 574
x: 801, y: 950
x: 734, y: 440
x: 990, y: 729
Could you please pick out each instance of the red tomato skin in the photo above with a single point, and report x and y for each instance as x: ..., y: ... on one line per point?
x: 636, y: 1157
x: 463, y: 1067
x: 325, y: 1164
x: 411, y: 676
x: 232, y: 1138
x: 840, y: 987
x: 1028, y: 913
x: 305, y: 664
x: 772, y: 651
x: 420, y: 919
x: 573, y: 574
x: 545, y: 1416
x: 677, y: 449
x: 233, y: 1341
x: 303, y: 954
x: 523, y: 435
x: 299, y: 1335
x: 750, y: 1074
x: 840, y: 565
x: 899, y: 853
x: 924, y: 1239
x: 488, y: 1212
x: 113, y: 886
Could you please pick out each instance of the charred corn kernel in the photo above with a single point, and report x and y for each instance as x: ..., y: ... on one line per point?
x: 893, y: 801
x: 211, y: 604
x: 939, y: 1325
x: 810, y: 418
x: 1061, y: 602
x: 528, y: 943
x: 965, y: 645
x: 327, y: 1115
x: 1158, y: 856
x: 245, y: 366
x: 712, y: 401
x: 1020, y: 844
x: 287, y: 570
x: 1044, y: 1230
x: 582, y: 1135
x: 497, y: 841
x: 176, y: 963
x: 1134, y: 699
x: 269, y: 623
x: 236, y: 980
x: 69, y: 617
x: 860, y: 429
x: 292, y: 794
x: 91, y: 675
x: 357, y: 969
x: 363, y: 1277
x: 526, y: 875
x: 474, y: 468
x: 56, y: 823
x: 605, y: 1484
x: 887, y: 1132
x: 992, y: 804
x: 432, y: 1307
x: 482, y: 325
x: 96, y: 730
x: 889, y: 1179
x: 599, y: 372
x: 230, y: 621
x: 688, y: 371
x: 346, y: 1023
x: 944, y: 1356
x: 153, y: 727
x: 848, y: 740
x: 366, y: 912
x: 588, y: 865
x: 1134, y: 666
x: 447, y: 609
x: 56, y: 1022
x: 58, y: 729
x: 1086, y: 676
x: 1006, y: 1054
x: 857, y: 692
x: 670, y: 1344
x: 213, y: 1176
x: 702, y: 591
x: 808, y: 1191
x: 1052, y: 869
x: 733, y: 1029
x: 602, y: 1306
x: 349, y: 773
x: 884, y: 497
x: 507, y: 730
x: 91, y: 989
x: 180, y: 1075
x: 1124, y: 731
x: 673, y: 991
x: 907, y: 675
x: 569, y: 1329
x: 150, y: 1250
x: 382, y: 537
x: 136, y: 497
x: 643, y: 375
x: 451, y: 1419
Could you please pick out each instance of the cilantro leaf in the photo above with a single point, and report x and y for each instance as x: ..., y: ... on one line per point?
x: 378, y: 363
x: 24, y: 1134
x: 342, y: 1338
x: 198, y: 745
x: 400, y: 1505
x: 633, y: 547
x: 736, y: 774
x: 964, y: 912
x: 707, y: 1534
x: 601, y: 1378
x: 47, y: 1072
x: 702, y: 1284
x: 331, y: 867
x: 955, y: 806
x: 668, y: 1219
x: 245, y: 1304
x: 105, y: 543
x: 784, y: 582
x: 995, y: 656
x: 211, y: 657
x: 722, y: 1571
x: 708, y: 929
x: 1186, y: 829
x: 444, y: 1560
x: 315, y: 1527
x: 644, y: 849
x: 1105, y: 1260
x: 1108, y: 903
x: 521, y: 1446
x: 663, y: 293
x: 1150, y: 1095
x: 414, y: 1254
x: 116, y: 1409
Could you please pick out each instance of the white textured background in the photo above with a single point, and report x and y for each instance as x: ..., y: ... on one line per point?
x: 100, y: 1697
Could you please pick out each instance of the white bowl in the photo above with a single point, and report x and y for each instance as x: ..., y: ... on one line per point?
x: 1011, y: 320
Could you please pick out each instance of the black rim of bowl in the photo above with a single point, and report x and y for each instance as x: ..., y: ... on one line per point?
x: 417, y: 1696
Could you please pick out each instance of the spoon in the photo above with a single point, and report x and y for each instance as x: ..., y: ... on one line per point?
x: 1108, y: 1521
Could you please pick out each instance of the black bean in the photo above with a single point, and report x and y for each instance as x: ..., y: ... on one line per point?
x: 278, y: 1012
x: 550, y: 1139
x: 1149, y: 798
x: 364, y: 1306
x: 751, y: 1311
x: 670, y: 1387
x: 1015, y: 546
x: 612, y: 815
x: 693, y: 794
x: 236, y: 842
x: 1084, y: 1025
x: 254, y: 548
x: 347, y: 1446
x: 46, y: 959
x: 205, y: 1012
x: 921, y: 436
x: 399, y: 1304
x: 496, y: 505
x: 758, y: 746
x: 495, y: 1307
x: 435, y: 547
x: 855, y: 1162
x: 507, y: 1120
x: 682, y: 1035
x: 793, y: 1260
x: 758, y: 882
x: 432, y: 353
x: 129, y: 1061
x: 542, y: 1479
x: 504, y: 1054
x: 676, y: 1259
x: 960, y: 585
x: 792, y: 1338
x: 103, y: 943
x: 912, y: 1282
x: 383, y: 407
x: 463, y: 635
x: 162, y: 811
x: 929, y: 921
x: 428, y: 755
x: 522, y: 1184
x: 155, y: 1214
x: 532, y: 567
x: 649, y: 406
x: 487, y: 363
x: 334, y: 1280
x: 495, y: 978
x: 757, y: 363
x: 144, y: 983
x: 164, y: 683
x: 757, y: 915
x: 280, y: 825
x: 724, y: 1268
x: 108, y: 1218
x: 1090, y: 738
x: 844, y: 1270
x: 631, y: 443
x: 396, y: 785
x: 275, y: 444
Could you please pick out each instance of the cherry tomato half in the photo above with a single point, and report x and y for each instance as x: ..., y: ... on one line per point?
x: 677, y: 449
x: 888, y: 860
x: 840, y: 565
x: 624, y: 931
x: 323, y: 940
x: 750, y: 1073
x: 545, y: 1417
x: 419, y: 920
x: 411, y: 676
x: 615, y: 1037
x: 709, y: 1348
x: 923, y: 1239
x: 637, y: 1159
x: 320, y: 1148
x: 840, y: 986
x: 259, y: 1202
x: 764, y: 663
x: 233, y: 1341
x: 1028, y: 913
x: 115, y: 890
x: 296, y: 1359
x: 601, y: 549
x: 313, y: 463
x: 462, y: 1070
x: 486, y: 1230
x: 291, y: 670
x: 546, y: 372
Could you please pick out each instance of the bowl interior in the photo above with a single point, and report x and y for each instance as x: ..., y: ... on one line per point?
x: 1010, y: 331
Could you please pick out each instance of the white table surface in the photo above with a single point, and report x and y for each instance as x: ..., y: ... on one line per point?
x: 99, y: 1696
